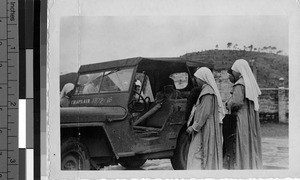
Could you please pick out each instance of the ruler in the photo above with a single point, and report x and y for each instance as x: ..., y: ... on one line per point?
x: 9, y: 89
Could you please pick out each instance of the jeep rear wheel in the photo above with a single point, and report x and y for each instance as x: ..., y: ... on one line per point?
x: 74, y: 156
x: 132, y: 163
x: 179, y: 158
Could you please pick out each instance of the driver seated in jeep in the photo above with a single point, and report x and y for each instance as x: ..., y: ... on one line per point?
x: 167, y: 91
x: 93, y: 86
x: 138, y: 89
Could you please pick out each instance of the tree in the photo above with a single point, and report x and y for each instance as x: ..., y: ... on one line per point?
x: 217, y: 46
x: 265, y: 48
x: 270, y: 49
x: 235, y: 46
x: 273, y: 49
x: 229, y: 45
x: 250, y: 47
x: 279, y: 52
x: 245, y: 48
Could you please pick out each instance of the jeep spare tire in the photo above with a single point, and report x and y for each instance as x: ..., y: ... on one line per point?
x: 179, y: 158
x: 74, y: 155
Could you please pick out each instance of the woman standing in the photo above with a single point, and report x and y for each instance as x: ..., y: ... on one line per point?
x: 244, y: 104
x: 205, y: 150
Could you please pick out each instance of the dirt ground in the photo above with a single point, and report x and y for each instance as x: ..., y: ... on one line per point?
x: 274, y: 147
x: 274, y: 130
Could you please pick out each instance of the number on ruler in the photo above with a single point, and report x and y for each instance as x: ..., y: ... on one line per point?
x: 1, y: 153
x: 0, y: 65
x: 0, y: 43
x: 0, y: 175
x: 1, y: 109
x: 12, y: 161
x: 0, y: 131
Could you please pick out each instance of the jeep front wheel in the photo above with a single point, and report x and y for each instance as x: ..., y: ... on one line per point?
x: 74, y: 156
x: 132, y: 163
x: 179, y: 158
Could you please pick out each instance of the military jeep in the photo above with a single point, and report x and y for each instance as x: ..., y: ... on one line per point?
x: 109, y: 122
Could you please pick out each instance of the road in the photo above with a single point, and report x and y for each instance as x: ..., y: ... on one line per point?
x: 275, y: 153
x: 275, y: 156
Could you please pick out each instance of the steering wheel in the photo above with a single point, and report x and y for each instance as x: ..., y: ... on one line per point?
x: 134, y: 101
x: 147, y: 99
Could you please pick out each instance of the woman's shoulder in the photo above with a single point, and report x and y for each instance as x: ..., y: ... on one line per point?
x: 207, y: 89
x: 240, y: 82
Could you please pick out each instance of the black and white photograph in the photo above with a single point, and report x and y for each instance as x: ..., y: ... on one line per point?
x: 166, y: 93
x: 131, y: 112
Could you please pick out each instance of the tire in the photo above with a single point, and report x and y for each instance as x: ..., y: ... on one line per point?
x: 132, y: 163
x: 74, y: 156
x: 179, y: 158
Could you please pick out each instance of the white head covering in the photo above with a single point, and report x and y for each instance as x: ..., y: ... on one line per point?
x: 206, y: 75
x: 66, y: 89
x: 252, y: 90
x: 138, y: 83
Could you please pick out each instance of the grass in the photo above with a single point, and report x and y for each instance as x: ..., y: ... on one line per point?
x: 270, y: 67
x: 274, y: 130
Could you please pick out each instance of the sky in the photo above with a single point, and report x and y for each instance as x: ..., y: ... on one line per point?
x: 86, y: 40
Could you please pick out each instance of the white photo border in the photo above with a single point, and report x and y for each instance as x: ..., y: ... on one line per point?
x: 60, y: 8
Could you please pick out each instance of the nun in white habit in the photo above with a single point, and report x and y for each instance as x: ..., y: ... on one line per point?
x: 205, y: 151
x: 244, y: 104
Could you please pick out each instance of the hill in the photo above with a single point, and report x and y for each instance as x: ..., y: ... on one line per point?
x: 270, y: 67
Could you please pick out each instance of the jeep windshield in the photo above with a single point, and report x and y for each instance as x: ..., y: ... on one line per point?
x: 114, y: 80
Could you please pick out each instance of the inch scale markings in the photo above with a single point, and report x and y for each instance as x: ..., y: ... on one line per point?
x: 9, y: 90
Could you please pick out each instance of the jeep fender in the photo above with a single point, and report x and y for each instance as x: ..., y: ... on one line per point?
x: 92, y: 135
